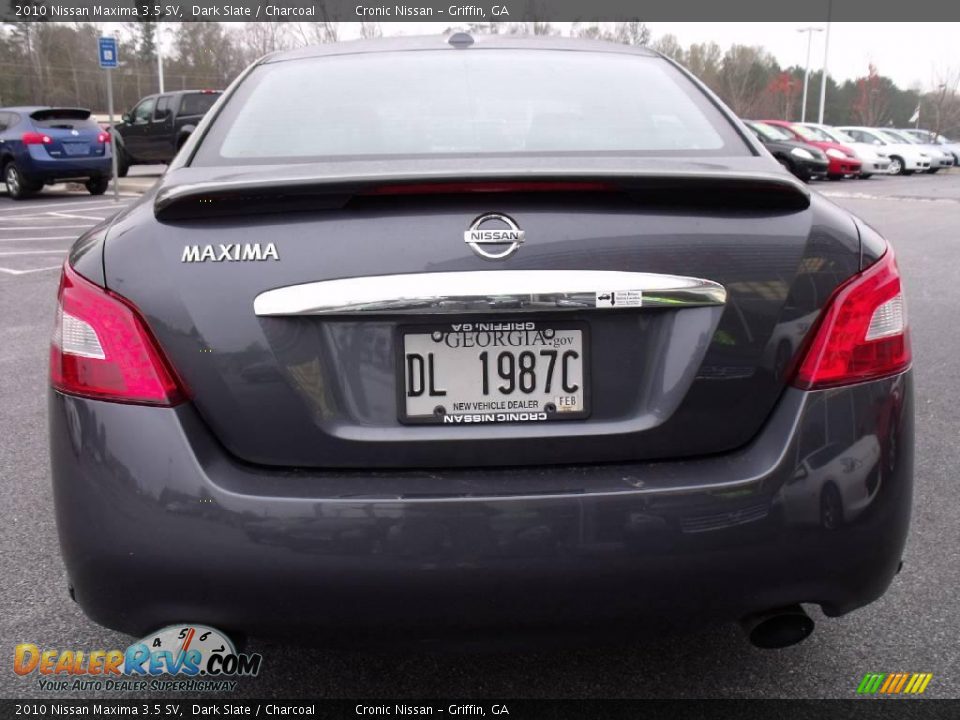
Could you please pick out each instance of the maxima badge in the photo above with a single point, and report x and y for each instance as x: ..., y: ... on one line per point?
x: 494, y: 236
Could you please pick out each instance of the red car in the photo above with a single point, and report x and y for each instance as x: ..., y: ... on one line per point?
x: 843, y: 160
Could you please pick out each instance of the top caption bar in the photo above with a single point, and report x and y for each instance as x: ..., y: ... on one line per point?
x: 482, y: 11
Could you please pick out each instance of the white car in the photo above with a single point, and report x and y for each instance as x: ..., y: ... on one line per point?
x: 905, y: 158
x: 873, y: 158
x: 939, y: 158
x: 925, y: 136
x: 833, y: 485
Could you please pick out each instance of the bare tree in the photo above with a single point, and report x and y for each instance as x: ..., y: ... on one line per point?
x: 669, y: 45
x: 632, y: 32
x: 872, y: 103
x: 744, y: 74
x: 628, y: 33
x: 370, y: 30
x: 944, y: 103
x: 314, y: 33
x: 257, y: 39
x: 704, y: 61
x: 531, y: 28
x: 591, y: 31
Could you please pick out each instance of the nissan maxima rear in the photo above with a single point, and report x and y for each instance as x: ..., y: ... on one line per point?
x: 493, y: 335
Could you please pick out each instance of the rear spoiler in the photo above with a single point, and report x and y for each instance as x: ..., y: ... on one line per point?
x: 729, y: 190
x: 60, y: 114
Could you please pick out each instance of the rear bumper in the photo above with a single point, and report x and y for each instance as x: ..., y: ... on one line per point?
x: 47, y: 169
x: 158, y: 525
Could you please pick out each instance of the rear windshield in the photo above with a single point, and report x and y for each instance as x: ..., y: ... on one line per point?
x: 890, y: 136
x: 197, y: 103
x: 809, y: 133
x: 771, y: 132
x: 66, y: 119
x: 839, y: 136
x: 435, y: 103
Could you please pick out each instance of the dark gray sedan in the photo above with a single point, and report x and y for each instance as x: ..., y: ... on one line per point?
x: 479, y: 335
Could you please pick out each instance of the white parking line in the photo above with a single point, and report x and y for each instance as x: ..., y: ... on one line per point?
x: 11, y: 271
x: 76, y: 217
x: 45, y: 227
x: 29, y: 218
x: 55, y: 237
x: 45, y: 209
x: 47, y: 216
x: 32, y: 252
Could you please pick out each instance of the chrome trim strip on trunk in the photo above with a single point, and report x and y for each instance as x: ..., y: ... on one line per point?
x: 494, y: 291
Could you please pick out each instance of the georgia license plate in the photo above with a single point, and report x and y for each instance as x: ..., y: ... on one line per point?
x: 493, y: 372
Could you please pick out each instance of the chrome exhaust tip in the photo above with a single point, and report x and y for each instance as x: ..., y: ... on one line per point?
x: 778, y: 628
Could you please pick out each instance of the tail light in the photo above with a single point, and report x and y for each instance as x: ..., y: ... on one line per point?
x: 103, y: 349
x: 103, y: 138
x: 862, y: 333
x: 35, y: 138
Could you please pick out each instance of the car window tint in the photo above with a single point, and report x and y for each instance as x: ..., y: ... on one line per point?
x: 809, y: 133
x: 197, y: 103
x: 66, y: 124
x: 482, y: 102
x: 163, y: 108
x: 4, y: 121
x: 770, y: 132
x: 825, y: 454
x: 890, y: 137
x: 144, y: 110
x: 840, y: 136
x: 62, y: 120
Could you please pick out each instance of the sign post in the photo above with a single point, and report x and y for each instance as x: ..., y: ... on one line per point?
x: 107, y: 51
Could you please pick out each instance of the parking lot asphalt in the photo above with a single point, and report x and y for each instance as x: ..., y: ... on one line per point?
x: 913, y: 628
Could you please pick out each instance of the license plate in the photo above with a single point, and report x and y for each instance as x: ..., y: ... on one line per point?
x: 493, y: 372
x: 76, y: 148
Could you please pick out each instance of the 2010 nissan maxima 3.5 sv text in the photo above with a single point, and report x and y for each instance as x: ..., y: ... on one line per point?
x: 438, y: 336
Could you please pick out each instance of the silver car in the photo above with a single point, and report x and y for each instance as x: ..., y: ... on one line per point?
x: 906, y: 158
x: 939, y: 158
x: 874, y: 159
x: 931, y: 138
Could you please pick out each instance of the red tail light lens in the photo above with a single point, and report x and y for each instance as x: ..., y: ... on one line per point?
x: 862, y: 334
x: 103, y: 138
x: 103, y: 349
x: 35, y: 138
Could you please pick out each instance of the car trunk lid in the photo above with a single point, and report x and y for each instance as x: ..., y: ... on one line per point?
x: 293, y: 379
x: 71, y: 131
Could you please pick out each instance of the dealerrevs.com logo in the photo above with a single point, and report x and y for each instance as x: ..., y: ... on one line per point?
x: 199, y: 657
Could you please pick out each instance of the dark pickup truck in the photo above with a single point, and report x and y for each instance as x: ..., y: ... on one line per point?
x: 159, y: 124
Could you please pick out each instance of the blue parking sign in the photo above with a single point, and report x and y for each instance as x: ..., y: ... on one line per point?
x: 108, y: 52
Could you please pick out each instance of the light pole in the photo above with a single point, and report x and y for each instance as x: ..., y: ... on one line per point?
x: 826, y: 53
x: 159, y: 53
x: 806, y: 73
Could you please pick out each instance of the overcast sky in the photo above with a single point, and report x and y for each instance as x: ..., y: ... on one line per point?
x: 910, y: 53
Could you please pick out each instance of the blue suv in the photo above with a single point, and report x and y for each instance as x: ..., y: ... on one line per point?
x: 43, y: 145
